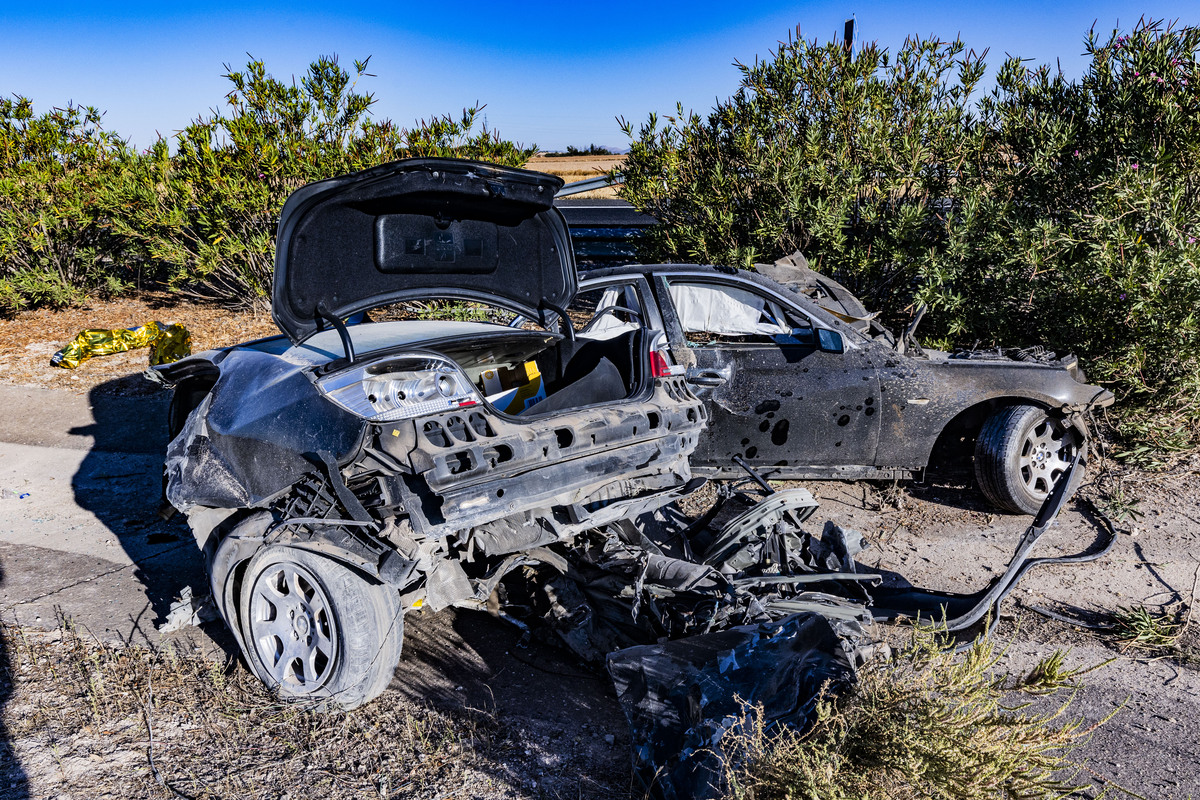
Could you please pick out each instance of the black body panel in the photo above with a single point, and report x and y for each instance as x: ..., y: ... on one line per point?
x: 420, y: 228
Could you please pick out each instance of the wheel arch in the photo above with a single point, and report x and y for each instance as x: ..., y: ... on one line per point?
x: 229, y: 557
x: 189, y: 391
x: 953, y: 450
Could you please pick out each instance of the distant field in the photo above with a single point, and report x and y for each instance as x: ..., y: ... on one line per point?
x: 572, y: 169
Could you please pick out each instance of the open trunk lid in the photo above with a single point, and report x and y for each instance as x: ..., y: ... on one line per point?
x: 417, y: 229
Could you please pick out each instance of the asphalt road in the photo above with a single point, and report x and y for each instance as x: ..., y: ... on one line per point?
x: 80, y: 536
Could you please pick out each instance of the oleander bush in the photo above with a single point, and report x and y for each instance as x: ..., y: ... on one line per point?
x: 1044, y: 211
x: 208, y: 211
x: 82, y: 212
x: 56, y: 241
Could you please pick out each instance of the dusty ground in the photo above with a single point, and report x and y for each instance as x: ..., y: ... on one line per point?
x: 27, y: 341
x: 475, y: 711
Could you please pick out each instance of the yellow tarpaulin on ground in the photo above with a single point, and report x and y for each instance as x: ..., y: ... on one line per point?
x: 167, y: 343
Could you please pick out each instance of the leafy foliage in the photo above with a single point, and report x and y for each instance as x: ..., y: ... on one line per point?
x: 55, y: 240
x: 1050, y: 211
x: 209, y: 212
x: 841, y: 155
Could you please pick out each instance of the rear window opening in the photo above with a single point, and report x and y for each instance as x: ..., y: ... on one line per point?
x: 437, y: 309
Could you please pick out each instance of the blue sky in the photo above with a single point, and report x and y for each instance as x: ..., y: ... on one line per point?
x: 552, y: 74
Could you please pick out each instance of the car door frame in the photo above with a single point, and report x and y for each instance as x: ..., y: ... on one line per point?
x: 827, y: 427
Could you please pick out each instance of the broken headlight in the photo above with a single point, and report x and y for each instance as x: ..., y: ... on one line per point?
x: 400, y: 388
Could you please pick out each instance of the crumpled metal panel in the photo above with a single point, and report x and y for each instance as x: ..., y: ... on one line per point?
x: 256, y: 434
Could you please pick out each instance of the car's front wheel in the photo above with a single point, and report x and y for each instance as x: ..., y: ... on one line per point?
x: 1020, y: 454
x: 315, y: 630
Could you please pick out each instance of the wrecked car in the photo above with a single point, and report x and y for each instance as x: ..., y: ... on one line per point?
x: 338, y: 475
x: 801, y: 383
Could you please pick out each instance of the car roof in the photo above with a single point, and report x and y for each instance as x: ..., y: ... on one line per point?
x: 749, y: 276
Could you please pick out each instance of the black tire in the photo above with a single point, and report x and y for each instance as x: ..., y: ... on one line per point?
x: 1020, y: 453
x: 340, y: 639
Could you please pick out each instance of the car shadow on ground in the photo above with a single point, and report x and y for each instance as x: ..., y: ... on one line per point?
x: 120, y: 482
x: 538, y: 694
x: 953, y: 491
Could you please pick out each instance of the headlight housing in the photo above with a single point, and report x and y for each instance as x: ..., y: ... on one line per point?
x: 400, y: 387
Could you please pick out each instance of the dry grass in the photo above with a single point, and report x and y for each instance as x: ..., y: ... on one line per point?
x: 1154, y: 633
x: 578, y: 169
x: 925, y: 724
x: 91, y: 720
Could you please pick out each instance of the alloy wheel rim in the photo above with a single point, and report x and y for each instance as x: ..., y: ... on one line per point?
x: 1046, y: 452
x: 292, y: 628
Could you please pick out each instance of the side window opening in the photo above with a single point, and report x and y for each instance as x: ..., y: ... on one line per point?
x: 607, y: 311
x: 713, y: 314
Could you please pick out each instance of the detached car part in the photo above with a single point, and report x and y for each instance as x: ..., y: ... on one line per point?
x: 695, y: 622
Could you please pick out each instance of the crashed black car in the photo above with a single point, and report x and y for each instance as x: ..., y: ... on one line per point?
x: 801, y: 383
x: 339, y: 475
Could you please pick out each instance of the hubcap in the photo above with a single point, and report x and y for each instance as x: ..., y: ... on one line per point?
x: 1045, y: 454
x: 292, y: 627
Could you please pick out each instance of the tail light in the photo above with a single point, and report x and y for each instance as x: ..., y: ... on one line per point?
x: 400, y: 388
x: 659, y: 367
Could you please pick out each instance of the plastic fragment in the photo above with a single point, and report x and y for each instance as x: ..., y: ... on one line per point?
x: 187, y: 611
x: 167, y: 342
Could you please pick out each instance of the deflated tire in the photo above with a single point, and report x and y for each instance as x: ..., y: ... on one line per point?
x: 316, y: 630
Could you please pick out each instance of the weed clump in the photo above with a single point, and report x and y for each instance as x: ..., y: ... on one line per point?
x: 925, y: 723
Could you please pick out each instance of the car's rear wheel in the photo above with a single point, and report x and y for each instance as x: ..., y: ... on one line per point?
x: 315, y: 630
x: 1020, y: 454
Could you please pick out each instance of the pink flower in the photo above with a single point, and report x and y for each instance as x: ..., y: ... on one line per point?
x: 1191, y: 240
x: 1135, y: 166
x: 1137, y: 74
x: 1076, y: 152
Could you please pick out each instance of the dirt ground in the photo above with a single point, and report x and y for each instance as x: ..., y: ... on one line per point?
x: 508, y: 717
x: 28, y: 340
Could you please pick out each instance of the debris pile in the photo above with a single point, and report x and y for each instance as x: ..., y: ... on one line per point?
x: 695, y: 622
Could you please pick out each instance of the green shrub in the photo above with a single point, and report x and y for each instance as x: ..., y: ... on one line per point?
x: 208, y: 213
x: 1050, y: 211
x: 840, y: 155
x: 55, y: 241
x: 1094, y: 215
